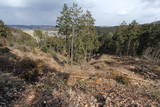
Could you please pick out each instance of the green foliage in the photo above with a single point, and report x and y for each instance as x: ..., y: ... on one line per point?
x: 130, y: 39
x: 149, y: 37
x: 4, y: 32
x: 106, y: 43
x: 3, y: 29
x: 79, y: 32
x: 86, y: 42
x: 49, y: 43
x: 127, y: 38
x: 55, y: 43
x: 64, y: 21
x: 44, y: 49
x: 38, y: 34
x: 19, y: 39
x: 40, y: 37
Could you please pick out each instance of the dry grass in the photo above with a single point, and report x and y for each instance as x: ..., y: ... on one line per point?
x: 28, y: 69
x: 96, y: 83
x: 120, y: 78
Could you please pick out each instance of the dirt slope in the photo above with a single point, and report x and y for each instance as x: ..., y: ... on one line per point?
x: 106, y: 81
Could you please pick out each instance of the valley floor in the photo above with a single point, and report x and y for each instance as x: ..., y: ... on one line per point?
x: 34, y: 79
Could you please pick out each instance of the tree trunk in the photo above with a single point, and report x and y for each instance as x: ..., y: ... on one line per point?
x: 128, y: 46
x: 67, y: 49
x: 72, y: 44
x: 5, y: 41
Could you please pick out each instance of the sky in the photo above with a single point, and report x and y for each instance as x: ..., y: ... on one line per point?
x: 105, y: 12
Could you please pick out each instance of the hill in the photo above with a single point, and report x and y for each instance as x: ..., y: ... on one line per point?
x: 34, y: 77
x: 156, y: 22
x: 106, y: 30
x: 40, y: 72
x: 32, y: 27
x: 106, y: 81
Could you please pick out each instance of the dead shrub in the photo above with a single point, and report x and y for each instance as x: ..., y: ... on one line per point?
x: 28, y: 69
x: 156, y: 94
x: 46, y: 99
x: 23, y: 48
x: 81, y: 85
x: 53, y: 80
x: 6, y: 64
x: 120, y: 78
x: 4, y: 51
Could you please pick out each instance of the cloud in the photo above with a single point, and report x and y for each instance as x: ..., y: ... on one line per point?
x: 13, y: 3
x: 106, y: 12
x: 113, y: 12
x: 31, y: 11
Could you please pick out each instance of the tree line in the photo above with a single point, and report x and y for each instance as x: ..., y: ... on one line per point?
x: 83, y: 39
x: 130, y: 39
x: 80, y: 40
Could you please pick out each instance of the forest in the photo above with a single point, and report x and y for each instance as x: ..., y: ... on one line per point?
x: 81, y: 40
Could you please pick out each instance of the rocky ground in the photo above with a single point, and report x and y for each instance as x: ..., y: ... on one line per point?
x: 34, y: 79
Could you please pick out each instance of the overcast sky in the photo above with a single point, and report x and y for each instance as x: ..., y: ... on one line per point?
x: 106, y: 12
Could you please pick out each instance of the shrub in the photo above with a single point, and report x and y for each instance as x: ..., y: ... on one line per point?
x: 44, y: 49
x: 120, y: 78
x: 29, y: 70
x: 19, y: 38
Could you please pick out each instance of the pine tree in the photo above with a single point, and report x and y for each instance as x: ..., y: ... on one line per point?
x: 68, y: 26
x: 88, y: 35
x: 64, y: 25
x: 78, y: 27
x: 133, y: 36
x: 120, y: 38
x: 4, y: 31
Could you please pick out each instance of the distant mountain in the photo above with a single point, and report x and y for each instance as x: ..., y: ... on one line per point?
x: 31, y: 27
x: 106, y: 30
x: 156, y: 22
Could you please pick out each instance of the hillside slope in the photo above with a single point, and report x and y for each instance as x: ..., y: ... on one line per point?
x: 38, y: 80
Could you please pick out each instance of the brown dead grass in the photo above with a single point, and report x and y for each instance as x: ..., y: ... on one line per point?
x: 38, y: 55
x: 120, y: 78
x: 92, y: 78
